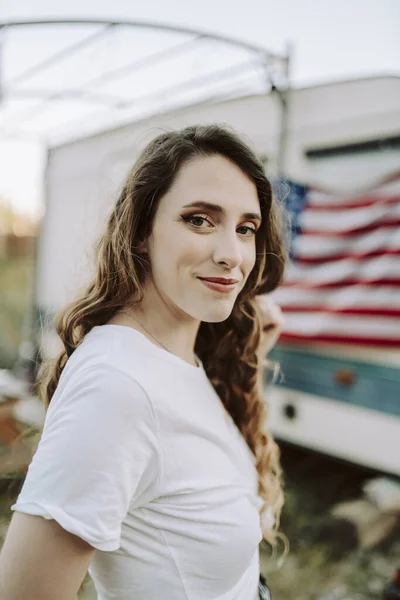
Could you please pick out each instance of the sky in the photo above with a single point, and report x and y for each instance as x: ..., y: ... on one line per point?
x: 331, y: 40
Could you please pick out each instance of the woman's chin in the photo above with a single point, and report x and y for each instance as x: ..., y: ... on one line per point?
x: 217, y: 314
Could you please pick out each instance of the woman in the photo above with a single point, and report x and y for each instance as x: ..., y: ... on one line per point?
x: 154, y: 451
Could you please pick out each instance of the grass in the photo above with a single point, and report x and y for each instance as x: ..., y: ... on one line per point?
x: 325, y: 561
x: 16, y: 299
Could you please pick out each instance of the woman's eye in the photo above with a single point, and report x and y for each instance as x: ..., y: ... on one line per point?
x: 195, y: 220
x: 249, y: 231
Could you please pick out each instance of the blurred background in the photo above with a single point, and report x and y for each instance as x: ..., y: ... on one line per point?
x: 315, y: 89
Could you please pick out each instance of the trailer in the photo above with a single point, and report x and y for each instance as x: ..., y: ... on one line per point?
x: 339, y: 350
x: 338, y: 396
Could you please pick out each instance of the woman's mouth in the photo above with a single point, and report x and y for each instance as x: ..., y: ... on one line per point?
x: 219, y: 284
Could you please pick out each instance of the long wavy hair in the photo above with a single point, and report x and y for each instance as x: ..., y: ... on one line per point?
x: 227, y: 349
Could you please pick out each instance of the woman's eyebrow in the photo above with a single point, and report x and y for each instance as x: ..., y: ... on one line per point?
x: 219, y: 209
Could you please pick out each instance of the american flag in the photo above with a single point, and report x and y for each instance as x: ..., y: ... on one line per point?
x: 343, y: 282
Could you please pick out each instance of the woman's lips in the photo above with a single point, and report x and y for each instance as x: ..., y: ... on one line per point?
x: 224, y: 288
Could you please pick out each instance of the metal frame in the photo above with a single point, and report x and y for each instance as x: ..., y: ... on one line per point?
x: 263, y: 56
x: 146, y: 25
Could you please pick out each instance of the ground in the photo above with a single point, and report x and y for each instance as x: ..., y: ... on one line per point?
x: 325, y: 562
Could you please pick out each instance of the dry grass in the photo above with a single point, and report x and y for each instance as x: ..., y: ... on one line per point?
x: 325, y: 562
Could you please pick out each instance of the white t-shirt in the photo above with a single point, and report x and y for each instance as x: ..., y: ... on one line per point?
x: 139, y: 458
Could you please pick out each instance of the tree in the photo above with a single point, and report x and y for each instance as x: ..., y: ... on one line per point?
x: 14, y: 223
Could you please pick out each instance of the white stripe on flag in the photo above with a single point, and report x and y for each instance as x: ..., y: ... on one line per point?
x: 374, y: 268
x: 342, y: 221
x: 356, y: 296
x: 317, y: 198
x: 321, y: 246
x: 310, y: 325
x: 388, y: 189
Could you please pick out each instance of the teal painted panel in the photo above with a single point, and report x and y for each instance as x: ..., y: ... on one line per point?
x: 375, y: 387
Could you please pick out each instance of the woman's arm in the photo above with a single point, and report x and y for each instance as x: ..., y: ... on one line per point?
x: 42, y: 561
x: 98, y: 453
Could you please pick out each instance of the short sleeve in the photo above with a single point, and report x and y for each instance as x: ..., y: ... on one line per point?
x: 97, y: 457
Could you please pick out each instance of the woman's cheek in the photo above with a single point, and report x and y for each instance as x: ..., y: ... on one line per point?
x: 251, y: 261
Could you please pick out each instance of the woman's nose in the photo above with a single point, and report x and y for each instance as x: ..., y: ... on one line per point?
x: 228, y: 250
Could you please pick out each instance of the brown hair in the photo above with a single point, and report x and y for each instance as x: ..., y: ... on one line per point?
x: 227, y: 349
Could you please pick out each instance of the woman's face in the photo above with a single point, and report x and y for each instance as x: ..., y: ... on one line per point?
x: 204, y: 228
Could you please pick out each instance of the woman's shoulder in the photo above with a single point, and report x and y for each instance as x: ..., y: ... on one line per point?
x: 100, y: 362
x: 101, y: 349
x: 96, y: 376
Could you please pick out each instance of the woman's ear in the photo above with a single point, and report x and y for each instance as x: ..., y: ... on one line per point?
x: 142, y: 248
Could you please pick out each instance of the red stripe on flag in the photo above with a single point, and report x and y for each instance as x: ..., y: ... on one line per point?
x: 361, y: 230
x: 346, y: 256
x: 362, y: 203
x: 342, y: 283
x: 370, y: 312
x: 367, y: 341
